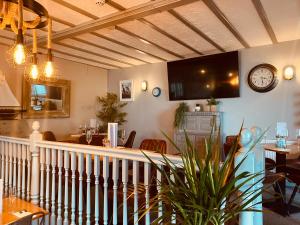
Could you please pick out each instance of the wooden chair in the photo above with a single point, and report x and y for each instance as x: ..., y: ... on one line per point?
x: 49, y: 136
x: 97, y: 140
x: 155, y: 145
x: 130, y: 140
x: 27, y: 220
x: 293, y: 174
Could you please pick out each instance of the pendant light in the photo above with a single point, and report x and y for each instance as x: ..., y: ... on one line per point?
x: 49, y: 73
x: 18, y: 53
x: 32, y: 71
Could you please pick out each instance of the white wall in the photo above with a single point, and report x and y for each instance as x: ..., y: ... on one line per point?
x: 87, y: 82
x: 148, y: 115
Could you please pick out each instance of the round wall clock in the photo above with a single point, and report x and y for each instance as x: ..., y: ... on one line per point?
x: 263, y: 78
x: 156, y: 92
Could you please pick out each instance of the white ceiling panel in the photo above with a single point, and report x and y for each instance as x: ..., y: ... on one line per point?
x: 284, y: 17
x: 86, y: 55
x: 91, y: 7
x: 100, y: 51
x: 168, y: 23
x: 244, y: 17
x: 119, y: 48
x: 125, y: 38
x: 130, y: 3
x: 201, y: 17
x: 63, y: 13
x: 156, y: 37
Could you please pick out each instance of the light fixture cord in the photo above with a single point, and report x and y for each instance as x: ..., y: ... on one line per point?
x: 49, y: 32
x: 34, y: 44
x: 20, y: 11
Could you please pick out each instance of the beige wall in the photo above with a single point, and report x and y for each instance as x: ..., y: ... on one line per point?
x: 148, y: 115
x: 87, y: 82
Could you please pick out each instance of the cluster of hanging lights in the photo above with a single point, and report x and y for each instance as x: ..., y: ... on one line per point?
x: 18, y: 54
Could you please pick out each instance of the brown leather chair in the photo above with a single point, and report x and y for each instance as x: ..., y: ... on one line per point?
x: 155, y: 145
x: 130, y: 140
x: 97, y: 140
x: 49, y: 136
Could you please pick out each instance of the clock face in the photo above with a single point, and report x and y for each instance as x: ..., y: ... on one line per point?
x: 156, y: 91
x: 262, y: 78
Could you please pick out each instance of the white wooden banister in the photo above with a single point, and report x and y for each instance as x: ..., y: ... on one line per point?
x: 35, y: 176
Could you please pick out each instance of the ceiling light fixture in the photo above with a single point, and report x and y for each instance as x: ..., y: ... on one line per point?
x: 32, y: 71
x: 50, y: 73
x: 100, y: 2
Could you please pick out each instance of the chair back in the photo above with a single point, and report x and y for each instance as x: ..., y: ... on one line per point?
x: 27, y: 220
x: 49, y: 136
x: 155, y: 145
x: 97, y: 140
x: 130, y: 140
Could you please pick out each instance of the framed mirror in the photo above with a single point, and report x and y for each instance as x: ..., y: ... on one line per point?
x: 42, y: 99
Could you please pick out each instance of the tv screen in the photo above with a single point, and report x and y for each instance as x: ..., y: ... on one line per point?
x: 204, y: 77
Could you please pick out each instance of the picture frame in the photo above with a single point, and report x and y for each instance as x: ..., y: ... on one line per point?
x: 126, y: 91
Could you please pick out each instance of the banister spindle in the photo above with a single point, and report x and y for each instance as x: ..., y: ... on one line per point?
x: 28, y: 156
x: 59, y: 192
x: 124, y: 181
x: 6, y: 182
x: 115, y: 190
x: 88, y: 188
x: 158, y: 187
x: 19, y: 158
x: 80, y: 200
x: 147, y: 167
x: 42, y: 166
x: 105, y: 189
x: 66, y: 166
x: 10, y: 179
x: 14, y: 184
x: 135, y: 190
x: 47, y: 195
x: 2, y: 160
x: 96, y: 173
x: 53, y: 164
x: 24, y: 154
x: 73, y: 207
x: 173, y: 218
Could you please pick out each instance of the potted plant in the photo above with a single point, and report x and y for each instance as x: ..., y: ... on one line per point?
x: 111, y: 110
x: 179, y: 114
x: 203, y: 191
x: 212, y: 103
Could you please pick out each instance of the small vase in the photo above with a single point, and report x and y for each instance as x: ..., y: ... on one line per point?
x: 213, y: 108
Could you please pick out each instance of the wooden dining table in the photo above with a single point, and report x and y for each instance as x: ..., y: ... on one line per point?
x: 282, y: 154
x: 11, y: 208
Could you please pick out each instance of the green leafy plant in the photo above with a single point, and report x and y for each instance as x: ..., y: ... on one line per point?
x: 203, y: 191
x: 179, y: 114
x: 111, y: 110
x: 212, y: 101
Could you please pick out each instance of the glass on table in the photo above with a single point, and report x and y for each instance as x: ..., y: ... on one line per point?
x: 89, y: 136
x: 123, y: 136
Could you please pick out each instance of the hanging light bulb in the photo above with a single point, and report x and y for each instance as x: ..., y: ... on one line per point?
x: 18, y: 52
x: 32, y: 71
x: 49, y: 73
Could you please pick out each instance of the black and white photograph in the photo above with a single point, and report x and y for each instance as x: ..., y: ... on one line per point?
x: 126, y: 90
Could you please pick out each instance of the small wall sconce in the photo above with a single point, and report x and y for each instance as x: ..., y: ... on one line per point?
x: 289, y: 72
x: 144, y: 85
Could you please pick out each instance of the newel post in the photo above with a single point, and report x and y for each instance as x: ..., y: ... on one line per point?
x: 35, y: 162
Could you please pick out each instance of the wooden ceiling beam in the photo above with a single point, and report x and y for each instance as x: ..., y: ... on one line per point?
x: 123, y: 30
x: 221, y: 16
x: 264, y: 18
x: 143, y: 10
x: 195, y: 29
x: 115, y: 5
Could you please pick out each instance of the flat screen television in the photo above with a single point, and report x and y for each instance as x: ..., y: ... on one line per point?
x: 204, y: 77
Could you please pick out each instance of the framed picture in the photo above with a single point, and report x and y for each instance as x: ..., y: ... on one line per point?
x: 126, y: 90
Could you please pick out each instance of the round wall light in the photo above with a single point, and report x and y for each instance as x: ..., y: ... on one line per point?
x: 289, y: 72
x: 144, y: 85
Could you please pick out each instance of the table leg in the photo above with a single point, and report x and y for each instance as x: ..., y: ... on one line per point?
x: 281, y: 168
